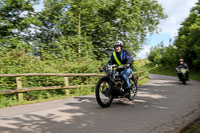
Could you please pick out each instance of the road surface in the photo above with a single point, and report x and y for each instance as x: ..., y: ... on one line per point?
x: 163, y: 105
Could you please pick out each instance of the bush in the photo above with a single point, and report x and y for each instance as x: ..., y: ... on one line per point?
x: 19, y: 62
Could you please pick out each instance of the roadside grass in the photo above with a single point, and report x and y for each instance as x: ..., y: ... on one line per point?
x: 142, y: 64
x: 194, y: 75
x: 145, y: 80
x: 195, y: 126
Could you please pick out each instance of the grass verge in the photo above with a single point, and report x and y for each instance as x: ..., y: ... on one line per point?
x: 193, y: 127
x: 140, y: 82
x: 195, y: 75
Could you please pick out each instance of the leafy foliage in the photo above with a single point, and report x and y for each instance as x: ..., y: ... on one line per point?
x: 19, y: 62
x: 16, y: 19
x: 188, y: 42
x: 95, y: 25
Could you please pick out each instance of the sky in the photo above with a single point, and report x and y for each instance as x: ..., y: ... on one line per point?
x: 176, y: 10
x: 39, y: 7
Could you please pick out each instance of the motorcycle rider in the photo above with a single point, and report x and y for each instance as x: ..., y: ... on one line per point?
x: 124, y: 59
x: 182, y: 65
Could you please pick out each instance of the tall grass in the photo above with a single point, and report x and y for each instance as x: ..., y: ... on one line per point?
x: 162, y: 70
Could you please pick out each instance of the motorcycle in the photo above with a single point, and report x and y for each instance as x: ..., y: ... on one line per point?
x: 183, y: 75
x: 111, y: 86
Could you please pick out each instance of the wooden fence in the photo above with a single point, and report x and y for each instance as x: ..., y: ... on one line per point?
x: 20, y: 89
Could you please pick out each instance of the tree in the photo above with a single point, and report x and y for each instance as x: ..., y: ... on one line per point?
x: 156, y: 53
x: 78, y: 27
x: 129, y: 21
x: 90, y: 27
x: 16, y: 19
x: 187, y: 41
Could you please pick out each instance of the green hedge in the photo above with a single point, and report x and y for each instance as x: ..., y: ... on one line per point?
x: 19, y: 62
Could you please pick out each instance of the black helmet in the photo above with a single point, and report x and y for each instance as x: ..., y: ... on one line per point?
x: 118, y: 43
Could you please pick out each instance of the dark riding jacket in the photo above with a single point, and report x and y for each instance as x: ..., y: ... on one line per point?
x: 125, y: 57
x: 182, y: 66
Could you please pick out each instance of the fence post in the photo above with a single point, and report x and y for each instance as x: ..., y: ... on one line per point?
x: 67, y: 91
x: 19, y: 86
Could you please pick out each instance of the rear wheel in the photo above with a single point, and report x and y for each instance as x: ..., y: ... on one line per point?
x: 133, y: 91
x: 103, y: 93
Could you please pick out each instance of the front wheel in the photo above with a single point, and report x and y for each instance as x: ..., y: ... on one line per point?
x: 184, y: 79
x: 103, y: 93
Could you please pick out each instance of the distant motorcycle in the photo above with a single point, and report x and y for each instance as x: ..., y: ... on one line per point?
x: 183, y: 77
x: 111, y: 86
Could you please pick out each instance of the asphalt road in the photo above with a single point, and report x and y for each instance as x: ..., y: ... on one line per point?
x: 163, y: 105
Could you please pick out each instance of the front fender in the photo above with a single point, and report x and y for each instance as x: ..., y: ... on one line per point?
x: 104, y: 78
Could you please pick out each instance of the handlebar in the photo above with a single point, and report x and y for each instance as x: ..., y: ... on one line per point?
x: 110, y: 67
x: 116, y: 66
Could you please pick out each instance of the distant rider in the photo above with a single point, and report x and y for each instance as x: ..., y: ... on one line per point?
x: 182, y: 65
x: 124, y: 59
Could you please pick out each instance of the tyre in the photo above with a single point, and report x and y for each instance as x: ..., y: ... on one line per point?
x: 184, y: 80
x: 133, y: 91
x: 103, y: 94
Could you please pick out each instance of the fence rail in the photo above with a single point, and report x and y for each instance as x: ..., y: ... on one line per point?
x: 20, y: 89
x: 52, y: 74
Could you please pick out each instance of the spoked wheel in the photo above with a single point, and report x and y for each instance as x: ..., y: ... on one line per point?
x: 103, y: 94
x: 133, y: 91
